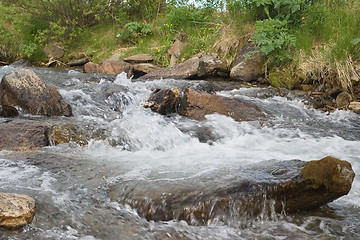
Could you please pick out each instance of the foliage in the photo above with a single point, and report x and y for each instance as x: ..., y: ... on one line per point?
x: 134, y: 31
x: 274, y: 39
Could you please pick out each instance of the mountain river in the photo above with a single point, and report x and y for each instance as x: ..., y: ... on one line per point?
x: 79, y: 190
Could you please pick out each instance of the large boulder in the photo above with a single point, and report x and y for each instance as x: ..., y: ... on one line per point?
x: 16, y: 210
x: 22, y: 135
x: 24, y: 89
x: 198, y: 67
x: 197, y: 105
x: 247, y: 67
x: 261, y: 189
x: 91, y: 67
x: 139, y: 58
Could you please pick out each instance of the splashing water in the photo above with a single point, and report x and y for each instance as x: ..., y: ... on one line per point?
x: 78, y: 189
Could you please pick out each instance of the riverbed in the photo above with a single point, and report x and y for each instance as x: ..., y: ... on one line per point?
x: 80, y: 190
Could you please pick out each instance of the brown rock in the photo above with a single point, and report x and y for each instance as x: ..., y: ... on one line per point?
x: 54, y: 51
x: 281, y: 186
x: 67, y: 132
x: 139, y: 58
x: 163, y: 101
x: 8, y: 111
x: 343, y: 100
x: 23, y: 88
x: 144, y: 68
x: 91, y: 67
x: 116, y: 67
x: 197, y: 105
x: 247, y: 68
x: 22, y: 135
x: 16, y: 210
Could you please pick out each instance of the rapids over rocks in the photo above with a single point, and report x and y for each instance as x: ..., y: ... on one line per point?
x: 85, y: 191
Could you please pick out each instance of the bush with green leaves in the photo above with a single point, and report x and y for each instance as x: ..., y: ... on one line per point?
x: 134, y: 30
x: 274, y: 39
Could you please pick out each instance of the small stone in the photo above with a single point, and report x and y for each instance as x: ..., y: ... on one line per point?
x: 355, y: 107
x: 343, y: 100
x: 16, y: 210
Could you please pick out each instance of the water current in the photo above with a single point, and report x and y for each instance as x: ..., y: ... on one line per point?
x: 79, y: 189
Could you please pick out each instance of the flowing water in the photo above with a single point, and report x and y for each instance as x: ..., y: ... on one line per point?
x: 80, y: 189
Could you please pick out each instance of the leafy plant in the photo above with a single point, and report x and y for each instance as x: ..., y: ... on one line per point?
x: 274, y: 39
x: 133, y: 30
x: 28, y: 48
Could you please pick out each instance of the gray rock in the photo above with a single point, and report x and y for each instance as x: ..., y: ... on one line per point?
x: 247, y: 68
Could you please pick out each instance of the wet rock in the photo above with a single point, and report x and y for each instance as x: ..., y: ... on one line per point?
x: 343, y: 100
x: 355, y: 107
x: 139, y: 58
x: 261, y: 189
x: 199, y: 67
x: 197, y: 105
x: 16, y: 210
x: 78, y: 62
x: 247, y: 68
x: 163, y: 101
x: 24, y: 89
x: 67, y: 132
x: 8, y: 111
x: 22, y: 135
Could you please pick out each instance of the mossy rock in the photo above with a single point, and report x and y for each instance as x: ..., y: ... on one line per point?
x: 283, y: 79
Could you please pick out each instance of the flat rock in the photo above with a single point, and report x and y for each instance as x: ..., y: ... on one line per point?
x: 24, y: 89
x: 139, y: 58
x: 78, y: 62
x: 199, y: 67
x: 261, y: 189
x: 109, y: 66
x: 16, y: 210
x: 22, y: 135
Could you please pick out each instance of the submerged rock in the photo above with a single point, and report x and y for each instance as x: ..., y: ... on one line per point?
x: 24, y: 89
x: 16, y: 210
x: 197, y: 105
x: 262, y: 189
x: 22, y: 135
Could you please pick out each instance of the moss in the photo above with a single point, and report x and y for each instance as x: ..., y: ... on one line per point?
x: 283, y: 79
x: 334, y: 174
